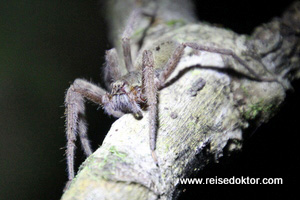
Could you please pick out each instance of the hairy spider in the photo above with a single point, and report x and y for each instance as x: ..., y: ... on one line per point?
x: 130, y: 93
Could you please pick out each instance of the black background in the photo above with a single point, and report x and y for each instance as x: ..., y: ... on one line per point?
x: 45, y: 45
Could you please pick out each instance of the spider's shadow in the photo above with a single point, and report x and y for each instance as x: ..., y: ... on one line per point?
x: 227, y: 70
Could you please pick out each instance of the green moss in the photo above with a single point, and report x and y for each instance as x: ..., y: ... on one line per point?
x: 249, y: 37
x: 257, y: 109
x: 108, y: 164
x: 138, y: 32
x: 245, y: 90
x: 252, y: 112
x: 196, y: 72
x: 167, y: 149
x: 113, y: 157
x: 191, y: 125
x: 115, y: 152
x: 174, y: 22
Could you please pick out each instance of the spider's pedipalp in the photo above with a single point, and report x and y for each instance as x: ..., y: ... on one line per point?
x: 119, y: 104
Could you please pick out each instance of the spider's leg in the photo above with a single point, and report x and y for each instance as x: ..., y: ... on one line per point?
x: 125, y: 38
x: 75, y: 122
x: 112, y: 70
x: 150, y: 91
x: 131, y: 22
x: 171, y: 65
x: 127, y: 54
x: 229, y: 52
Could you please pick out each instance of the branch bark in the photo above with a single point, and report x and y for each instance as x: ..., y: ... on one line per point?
x: 196, y: 126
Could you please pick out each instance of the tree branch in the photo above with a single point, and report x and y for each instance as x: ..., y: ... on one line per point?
x: 196, y: 125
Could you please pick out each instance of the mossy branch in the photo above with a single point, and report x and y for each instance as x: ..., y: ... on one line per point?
x: 196, y: 126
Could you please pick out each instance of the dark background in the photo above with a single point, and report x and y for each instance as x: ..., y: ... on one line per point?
x: 45, y: 45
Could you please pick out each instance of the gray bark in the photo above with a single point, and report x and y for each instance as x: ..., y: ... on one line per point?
x: 196, y: 125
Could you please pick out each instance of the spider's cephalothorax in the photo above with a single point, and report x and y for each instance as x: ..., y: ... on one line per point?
x: 129, y: 93
x: 123, y: 99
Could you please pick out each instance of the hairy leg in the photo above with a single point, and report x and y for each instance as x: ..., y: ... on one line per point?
x: 112, y: 71
x: 127, y: 54
x: 136, y: 13
x: 229, y: 52
x: 176, y: 56
x: 150, y: 90
x: 75, y: 122
x: 171, y: 65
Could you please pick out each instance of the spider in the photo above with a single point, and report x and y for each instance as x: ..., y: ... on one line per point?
x: 130, y: 93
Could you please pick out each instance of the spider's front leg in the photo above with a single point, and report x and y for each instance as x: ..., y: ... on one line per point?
x: 151, y: 83
x: 150, y: 90
x: 75, y: 121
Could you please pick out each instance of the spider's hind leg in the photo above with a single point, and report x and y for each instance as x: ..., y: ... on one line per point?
x: 171, y: 65
x: 177, y: 54
x: 229, y: 52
